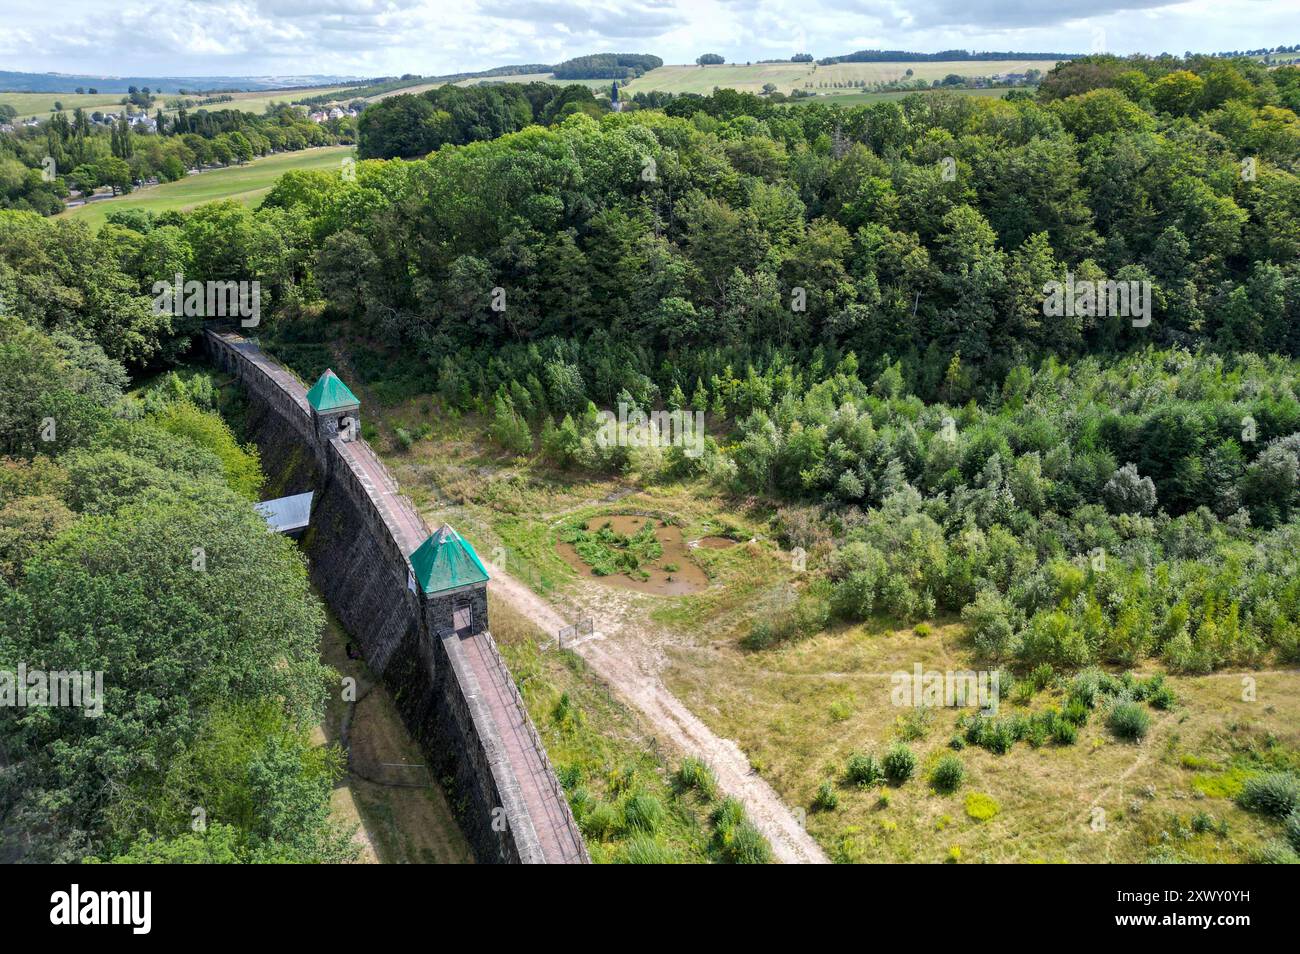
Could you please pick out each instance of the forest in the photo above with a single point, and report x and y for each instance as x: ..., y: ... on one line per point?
x: 853, y: 296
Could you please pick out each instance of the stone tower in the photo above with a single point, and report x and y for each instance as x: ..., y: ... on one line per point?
x: 452, y: 581
x: 335, y: 410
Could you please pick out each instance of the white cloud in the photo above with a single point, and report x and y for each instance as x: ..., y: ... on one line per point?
x: 372, y: 37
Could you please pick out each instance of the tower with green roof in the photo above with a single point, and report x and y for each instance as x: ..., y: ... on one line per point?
x: 335, y: 410
x: 453, y: 582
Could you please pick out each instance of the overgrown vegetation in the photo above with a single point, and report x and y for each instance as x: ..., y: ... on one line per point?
x: 127, y: 541
x: 630, y: 807
x: 608, y: 552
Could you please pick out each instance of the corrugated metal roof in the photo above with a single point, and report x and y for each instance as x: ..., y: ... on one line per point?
x: 445, y: 561
x: 330, y: 394
x: 286, y: 514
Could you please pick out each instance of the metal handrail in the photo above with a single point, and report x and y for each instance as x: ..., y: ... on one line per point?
x: 558, y: 789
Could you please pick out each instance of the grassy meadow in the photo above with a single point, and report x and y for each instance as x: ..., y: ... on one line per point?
x: 800, y: 710
x: 259, y: 101
x: 255, y: 101
x: 246, y: 184
x: 791, y: 76
x: 40, y: 105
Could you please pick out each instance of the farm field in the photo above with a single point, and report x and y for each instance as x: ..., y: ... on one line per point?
x: 40, y: 104
x: 798, y: 712
x: 259, y: 101
x: 791, y: 76
x: 787, y: 77
x: 245, y: 184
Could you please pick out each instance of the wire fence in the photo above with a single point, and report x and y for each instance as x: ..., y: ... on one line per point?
x: 579, y: 630
x: 539, y: 581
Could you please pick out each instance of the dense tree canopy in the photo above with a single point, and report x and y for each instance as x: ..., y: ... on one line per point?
x: 129, y: 548
x: 412, y: 126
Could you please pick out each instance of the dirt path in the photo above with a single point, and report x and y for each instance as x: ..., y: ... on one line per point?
x: 631, y: 667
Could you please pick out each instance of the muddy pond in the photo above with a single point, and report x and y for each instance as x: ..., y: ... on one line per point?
x: 674, y: 573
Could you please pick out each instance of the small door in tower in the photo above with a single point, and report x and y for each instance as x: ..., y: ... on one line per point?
x: 462, y: 618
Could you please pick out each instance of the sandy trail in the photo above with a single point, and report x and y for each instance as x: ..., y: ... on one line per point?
x: 631, y: 668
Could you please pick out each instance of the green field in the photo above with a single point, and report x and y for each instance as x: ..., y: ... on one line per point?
x: 246, y: 184
x: 788, y: 77
x: 258, y: 102
x: 40, y: 104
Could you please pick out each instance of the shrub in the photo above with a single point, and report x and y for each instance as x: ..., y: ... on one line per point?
x: 993, y: 624
x: 1156, y: 693
x: 1042, y: 677
x: 1276, y: 794
x: 1086, y: 688
x: 1076, y: 713
x: 899, y: 764
x: 599, y: 821
x: 1275, y: 852
x: 763, y: 635
x: 643, y: 812
x: 996, y: 735
x: 915, y: 723
x: 695, y: 774
x: 1064, y: 732
x: 981, y: 807
x: 1129, y: 721
x: 643, y: 849
x: 948, y: 774
x: 1292, y: 829
x: 726, y: 816
x: 863, y: 770
x: 826, y: 799
x: 1038, y: 729
x: 746, y: 846
x: 1162, y: 698
x: 241, y: 464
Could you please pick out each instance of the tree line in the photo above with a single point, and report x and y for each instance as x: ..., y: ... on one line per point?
x: 39, y: 166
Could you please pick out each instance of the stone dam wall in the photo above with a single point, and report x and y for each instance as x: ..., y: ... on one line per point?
x: 358, y: 543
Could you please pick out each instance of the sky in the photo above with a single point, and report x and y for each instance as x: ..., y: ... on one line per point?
x: 431, y: 37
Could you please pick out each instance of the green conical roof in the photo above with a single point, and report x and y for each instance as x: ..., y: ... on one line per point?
x: 446, y: 561
x: 330, y: 394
